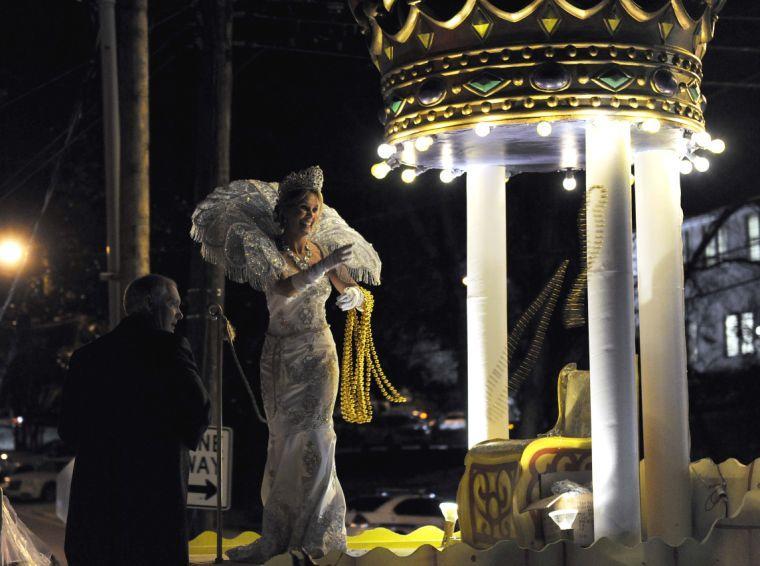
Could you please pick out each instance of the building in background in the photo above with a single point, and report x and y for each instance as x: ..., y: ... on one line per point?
x: 722, y: 255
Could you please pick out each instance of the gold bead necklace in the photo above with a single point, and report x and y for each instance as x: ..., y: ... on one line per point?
x: 360, y: 366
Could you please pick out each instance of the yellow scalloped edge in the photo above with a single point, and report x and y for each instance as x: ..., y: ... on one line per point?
x: 205, y: 543
x: 382, y: 537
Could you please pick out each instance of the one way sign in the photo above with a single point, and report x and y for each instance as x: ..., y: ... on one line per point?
x: 202, y: 489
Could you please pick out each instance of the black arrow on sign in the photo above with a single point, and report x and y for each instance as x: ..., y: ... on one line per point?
x: 209, y: 489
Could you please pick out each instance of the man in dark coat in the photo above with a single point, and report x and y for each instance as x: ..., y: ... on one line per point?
x: 133, y: 404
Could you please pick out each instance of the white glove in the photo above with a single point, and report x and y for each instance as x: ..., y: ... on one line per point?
x: 310, y: 276
x: 352, y: 298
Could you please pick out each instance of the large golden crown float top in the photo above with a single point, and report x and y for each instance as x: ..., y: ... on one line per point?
x: 455, y: 70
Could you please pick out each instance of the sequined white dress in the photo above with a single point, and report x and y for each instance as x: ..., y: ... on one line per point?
x: 304, y: 506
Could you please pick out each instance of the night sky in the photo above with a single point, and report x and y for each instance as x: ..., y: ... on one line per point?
x: 305, y: 92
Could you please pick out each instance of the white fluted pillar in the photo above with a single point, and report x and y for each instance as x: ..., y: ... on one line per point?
x: 487, y: 410
x: 614, y: 415
x: 664, y: 390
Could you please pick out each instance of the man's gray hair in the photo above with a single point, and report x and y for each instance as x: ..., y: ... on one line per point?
x: 152, y: 285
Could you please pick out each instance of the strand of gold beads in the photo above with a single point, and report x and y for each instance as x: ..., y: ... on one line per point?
x: 361, y: 365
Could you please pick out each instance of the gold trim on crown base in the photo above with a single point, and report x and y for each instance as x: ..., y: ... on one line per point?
x: 446, y: 71
x: 617, y: 79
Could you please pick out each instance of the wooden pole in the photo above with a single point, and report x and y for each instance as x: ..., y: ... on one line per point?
x: 135, y: 180
x: 212, y: 170
x: 212, y: 164
x: 112, y: 154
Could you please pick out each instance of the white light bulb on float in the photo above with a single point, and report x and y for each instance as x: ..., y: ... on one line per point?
x: 423, y: 143
x: 686, y: 167
x: 702, y: 139
x: 386, y: 150
x: 701, y: 164
x: 446, y: 176
x: 544, y: 129
x: 717, y: 146
x: 408, y: 175
x: 380, y: 170
x: 569, y: 183
x: 564, y: 518
x: 651, y: 125
x: 482, y: 129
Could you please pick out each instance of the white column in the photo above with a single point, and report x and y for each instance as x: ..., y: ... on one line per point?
x: 487, y: 394
x: 614, y: 415
x: 665, y: 404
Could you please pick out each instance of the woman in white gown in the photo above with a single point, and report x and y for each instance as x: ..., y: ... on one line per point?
x: 285, y: 241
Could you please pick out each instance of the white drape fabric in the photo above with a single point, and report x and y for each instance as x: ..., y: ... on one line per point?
x: 487, y: 394
x: 664, y: 389
x: 614, y: 415
x: 19, y: 545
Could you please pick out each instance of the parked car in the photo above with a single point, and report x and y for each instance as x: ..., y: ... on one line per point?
x: 396, y: 430
x: 401, y: 513
x: 450, y: 430
x: 34, y: 481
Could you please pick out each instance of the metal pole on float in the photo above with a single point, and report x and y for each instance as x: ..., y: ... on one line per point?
x: 614, y: 416
x: 216, y: 314
x: 487, y: 394
x: 112, y: 142
x: 664, y: 389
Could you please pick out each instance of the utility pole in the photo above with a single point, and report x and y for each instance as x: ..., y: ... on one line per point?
x: 135, y: 181
x: 212, y: 170
x: 112, y: 144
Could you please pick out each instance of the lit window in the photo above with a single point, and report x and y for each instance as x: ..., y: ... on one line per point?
x: 716, y: 247
x: 722, y: 241
x: 732, y: 336
x: 748, y: 333
x: 740, y: 334
x: 753, y: 236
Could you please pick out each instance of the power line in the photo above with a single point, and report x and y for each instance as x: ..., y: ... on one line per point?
x: 49, y: 82
x: 248, y: 61
x: 728, y: 85
x: 173, y: 15
x: 255, y: 45
x: 735, y: 48
x: 337, y: 23
x: 90, y: 125
x: 32, y: 160
x: 52, y: 157
x: 741, y: 18
x: 78, y: 66
x: 731, y: 85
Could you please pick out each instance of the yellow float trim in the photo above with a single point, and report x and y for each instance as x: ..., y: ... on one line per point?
x: 205, y: 543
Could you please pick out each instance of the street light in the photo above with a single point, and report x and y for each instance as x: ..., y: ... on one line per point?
x: 11, y: 252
